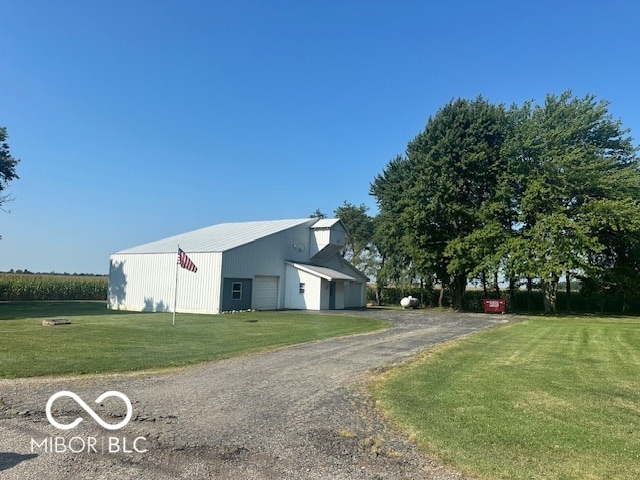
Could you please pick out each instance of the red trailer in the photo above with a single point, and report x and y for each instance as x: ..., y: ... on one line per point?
x: 495, y: 305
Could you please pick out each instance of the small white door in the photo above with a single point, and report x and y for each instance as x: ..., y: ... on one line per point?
x: 265, y: 293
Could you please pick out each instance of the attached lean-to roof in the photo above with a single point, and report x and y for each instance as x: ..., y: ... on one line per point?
x: 219, y: 238
x: 322, y: 272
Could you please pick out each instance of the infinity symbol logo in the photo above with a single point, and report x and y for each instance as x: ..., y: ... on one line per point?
x: 89, y: 410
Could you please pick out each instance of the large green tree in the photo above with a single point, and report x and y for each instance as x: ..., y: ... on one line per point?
x: 576, y: 163
x: 358, y: 245
x: 616, y: 266
x: 395, y: 250
x: 534, y: 192
x: 445, y: 195
x: 7, y: 166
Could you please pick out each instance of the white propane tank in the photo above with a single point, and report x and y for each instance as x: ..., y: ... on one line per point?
x: 409, y: 302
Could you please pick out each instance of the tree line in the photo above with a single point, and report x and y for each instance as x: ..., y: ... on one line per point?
x: 61, y: 274
x: 527, y: 195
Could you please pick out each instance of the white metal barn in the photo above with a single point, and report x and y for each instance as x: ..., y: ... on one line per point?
x: 266, y: 265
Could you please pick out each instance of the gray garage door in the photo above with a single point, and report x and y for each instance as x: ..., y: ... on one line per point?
x: 265, y: 293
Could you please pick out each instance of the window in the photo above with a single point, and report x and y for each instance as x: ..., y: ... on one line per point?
x: 236, y: 291
x: 301, y: 288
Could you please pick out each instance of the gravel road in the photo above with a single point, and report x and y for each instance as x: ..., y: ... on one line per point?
x: 294, y: 413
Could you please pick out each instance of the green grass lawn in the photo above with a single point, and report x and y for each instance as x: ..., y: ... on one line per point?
x: 543, y: 399
x: 99, y: 340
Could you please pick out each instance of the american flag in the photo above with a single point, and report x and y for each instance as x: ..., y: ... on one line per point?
x: 185, y: 262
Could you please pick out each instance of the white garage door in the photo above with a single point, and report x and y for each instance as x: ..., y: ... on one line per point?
x: 265, y: 293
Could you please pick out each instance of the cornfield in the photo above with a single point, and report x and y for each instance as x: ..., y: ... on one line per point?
x: 20, y: 287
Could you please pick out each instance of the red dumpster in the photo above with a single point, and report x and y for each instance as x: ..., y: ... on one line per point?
x: 495, y: 305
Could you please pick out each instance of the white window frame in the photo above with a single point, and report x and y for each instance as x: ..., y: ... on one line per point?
x: 235, y: 291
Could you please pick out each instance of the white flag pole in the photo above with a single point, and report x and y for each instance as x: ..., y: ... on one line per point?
x: 175, y: 292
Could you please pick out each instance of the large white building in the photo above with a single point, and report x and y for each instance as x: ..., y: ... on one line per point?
x: 266, y: 265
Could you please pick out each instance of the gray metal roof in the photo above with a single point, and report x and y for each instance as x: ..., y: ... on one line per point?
x: 219, y: 238
x: 326, y: 222
x: 322, y: 272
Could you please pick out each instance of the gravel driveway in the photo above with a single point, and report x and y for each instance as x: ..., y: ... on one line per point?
x: 294, y: 413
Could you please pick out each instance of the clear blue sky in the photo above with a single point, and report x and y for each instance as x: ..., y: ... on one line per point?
x: 137, y: 120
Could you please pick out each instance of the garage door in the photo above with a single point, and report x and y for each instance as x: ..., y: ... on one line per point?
x: 265, y: 293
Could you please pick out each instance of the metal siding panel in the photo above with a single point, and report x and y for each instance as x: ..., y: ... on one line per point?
x: 267, y: 255
x: 291, y: 280
x: 324, y: 300
x: 319, y: 239
x: 313, y: 291
x: 141, y: 282
x: 259, y: 258
x: 310, y: 300
x: 339, y: 296
x: 338, y: 235
x: 200, y: 292
x: 244, y: 302
x: 117, y: 291
x: 147, y: 282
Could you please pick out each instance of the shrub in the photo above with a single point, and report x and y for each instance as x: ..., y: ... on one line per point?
x: 521, y: 301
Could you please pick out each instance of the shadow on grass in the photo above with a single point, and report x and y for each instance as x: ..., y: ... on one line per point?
x: 10, y: 459
x: 53, y: 309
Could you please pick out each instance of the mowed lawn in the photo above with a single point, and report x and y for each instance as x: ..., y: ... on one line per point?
x: 99, y: 340
x: 542, y: 399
